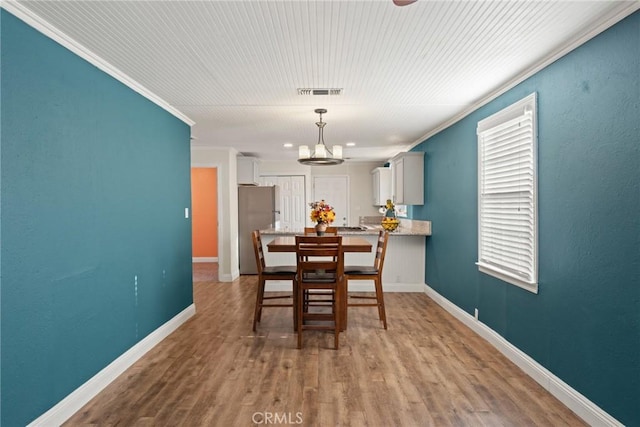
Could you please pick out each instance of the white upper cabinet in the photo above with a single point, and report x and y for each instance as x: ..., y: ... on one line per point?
x: 381, y: 186
x: 248, y: 171
x: 408, y: 178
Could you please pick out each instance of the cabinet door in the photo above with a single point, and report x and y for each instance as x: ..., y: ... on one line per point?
x: 398, y: 181
x: 408, y: 178
x: 381, y: 186
x: 248, y: 172
x: 376, y: 187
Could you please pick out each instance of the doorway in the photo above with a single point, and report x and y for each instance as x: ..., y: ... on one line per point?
x: 204, y: 214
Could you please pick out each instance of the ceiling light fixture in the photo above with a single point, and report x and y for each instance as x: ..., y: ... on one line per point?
x: 321, y: 156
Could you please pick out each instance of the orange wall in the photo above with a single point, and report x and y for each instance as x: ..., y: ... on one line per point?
x: 204, y: 210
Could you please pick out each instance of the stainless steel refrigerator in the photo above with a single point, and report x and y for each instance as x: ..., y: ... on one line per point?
x: 258, y: 209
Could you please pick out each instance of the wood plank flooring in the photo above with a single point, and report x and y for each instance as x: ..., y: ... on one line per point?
x: 427, y: 369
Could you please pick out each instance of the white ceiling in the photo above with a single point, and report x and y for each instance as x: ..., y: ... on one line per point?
x: 234, y: 67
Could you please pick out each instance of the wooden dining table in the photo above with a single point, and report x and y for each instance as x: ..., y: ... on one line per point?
x: 349, y: 244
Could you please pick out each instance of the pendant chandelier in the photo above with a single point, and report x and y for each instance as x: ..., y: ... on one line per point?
x: 321, y: 155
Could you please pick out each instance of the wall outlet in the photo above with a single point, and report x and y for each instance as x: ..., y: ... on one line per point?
x: 476, y: 313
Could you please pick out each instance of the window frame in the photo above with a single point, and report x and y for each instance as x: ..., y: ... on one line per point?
x: 507, y: 272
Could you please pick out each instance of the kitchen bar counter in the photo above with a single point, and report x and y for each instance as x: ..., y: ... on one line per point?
x: 407, y: 228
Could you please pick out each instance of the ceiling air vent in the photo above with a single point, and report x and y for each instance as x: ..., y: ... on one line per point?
x: 308, y: 91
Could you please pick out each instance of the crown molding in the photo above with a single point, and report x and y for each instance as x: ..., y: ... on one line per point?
x: 63, y: 39
x: 606, y: 21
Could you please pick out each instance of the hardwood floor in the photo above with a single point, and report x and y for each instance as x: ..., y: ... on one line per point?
x: 427, y: 369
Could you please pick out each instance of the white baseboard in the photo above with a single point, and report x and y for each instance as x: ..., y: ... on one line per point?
x: 68, y: 406
x: 205, y: 259
x: 354, y: 286
x: 225, y: 277
x: 229, y: 277
x: 583, y: 407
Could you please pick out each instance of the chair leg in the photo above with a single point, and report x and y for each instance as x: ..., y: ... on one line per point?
x: 380, y: 299
x: 345, y: 303
x: 299, y: 309
x: 257, y: 314
x: 295, y: 305
x: 337, y: 312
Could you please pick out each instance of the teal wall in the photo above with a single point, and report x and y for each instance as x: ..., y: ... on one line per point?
x: 584, y: 325
x: 95, y: 179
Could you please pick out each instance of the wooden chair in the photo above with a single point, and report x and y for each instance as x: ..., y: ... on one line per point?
x: 317, y: 301
x: 309, y: 231
x: 278, y: 272
x: 320, y: 263
x: 374, y: 272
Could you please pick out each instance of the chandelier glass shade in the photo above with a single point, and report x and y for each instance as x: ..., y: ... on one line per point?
x: 321, y: 155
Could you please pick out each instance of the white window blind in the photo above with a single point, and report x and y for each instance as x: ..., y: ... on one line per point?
x: 507, y: 194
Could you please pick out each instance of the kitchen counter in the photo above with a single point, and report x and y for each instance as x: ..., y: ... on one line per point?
x: 407, y: 228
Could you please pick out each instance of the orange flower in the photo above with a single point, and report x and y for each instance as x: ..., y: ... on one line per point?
x: 322, y: 212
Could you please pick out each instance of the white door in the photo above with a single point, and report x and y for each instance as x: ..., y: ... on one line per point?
x: 298, y: 204
x: 292, y: 206
x: 333, y: 189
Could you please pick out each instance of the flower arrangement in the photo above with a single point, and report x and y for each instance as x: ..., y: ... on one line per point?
x: 322, y: 212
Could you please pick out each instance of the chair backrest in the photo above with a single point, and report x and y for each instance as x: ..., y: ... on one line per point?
x: 308, y: 231
x: 314, y: 253
x: 257, y: 248
x: 381, y: 250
